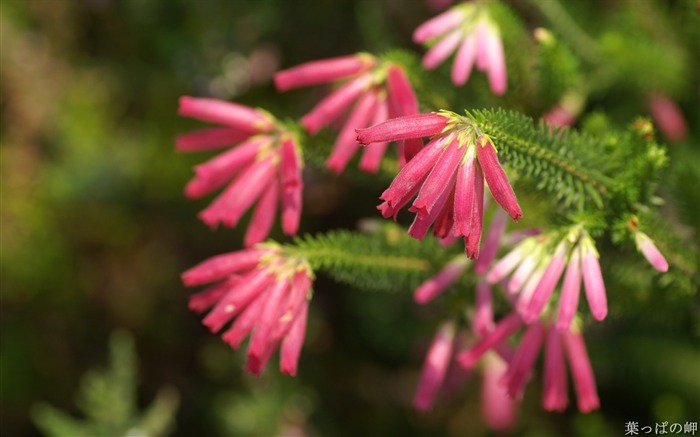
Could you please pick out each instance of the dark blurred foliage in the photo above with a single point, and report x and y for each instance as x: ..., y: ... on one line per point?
x: 95, y: 230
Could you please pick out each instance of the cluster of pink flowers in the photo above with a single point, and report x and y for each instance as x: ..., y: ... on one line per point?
x: 264, y: 166
x: 447, y: 176
x: 266, y: 291
x: 498, y: 409
x: 381, y: 90
x: 468, y: 29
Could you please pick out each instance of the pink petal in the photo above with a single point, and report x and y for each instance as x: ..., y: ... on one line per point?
x: 292, y: 187
x: 554, y: 393
x: 496, y: 178
x: 208, y: 139
x: 464, y: 61
x: 226, y: 113
x: 345, y: 145
x: 546, y: 285
x: 435, y: 367
x: 497, y: 408
x: 440, y: 179
x: 202, y: 301
x: 668, y: 117
x: 220, y: 266
x: 483, y: 323
x: 595, y: 287
x: 263, y: 216
x: 241, y: 327
x: 570, y: 292
x: 438, y: 25
x: 332, y: 105
x: 496, y: 64
x: 465, y: 194
x: 401, y: 128
x: 477, y: 217
x: 373, y: 153
x: 650, y: 252
x: 442, y: 50
x: 266, y: 322
x: 504, y: 329
x: 520, y: 367
x: 326, y: 70
x: 292, y: 343
x: 492, y: 243
x: 581, y: 372
x: 434, y: 286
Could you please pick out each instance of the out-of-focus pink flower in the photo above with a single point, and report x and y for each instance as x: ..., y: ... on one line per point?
x: 434, y: 286
x: 266, y: 291
x: 498, y: 409
x: 468, y: 29
x: 447, y: 176
x: 521, y: 363
x: 566, y: 111
x: 380, y: 90
x: 264, y: 167
x: 650, y: 252
x: 437, y: 361
x: 536, y: 273
x: 668, y: 117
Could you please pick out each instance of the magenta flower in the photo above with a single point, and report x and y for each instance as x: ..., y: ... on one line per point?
x: 435, y: 367
x: 266, y: 291
x: 378, y: 90
x: 536, y: 273
x: 265, y: 166
x: 650, y: 252
x: 498, y: 409
x: 581, y: 372
x: 446, y: 176
x: 468, y: 30
x: 554, y: 391
x: 434, y: 286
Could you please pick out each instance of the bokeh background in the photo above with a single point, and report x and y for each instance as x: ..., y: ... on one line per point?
x: 95, y: 230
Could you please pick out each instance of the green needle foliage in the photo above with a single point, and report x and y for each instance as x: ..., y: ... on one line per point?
x: 108, y: 399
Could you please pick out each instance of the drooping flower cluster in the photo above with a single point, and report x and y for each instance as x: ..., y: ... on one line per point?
x: 520, y: 365
x: 468, y: 29
x: 447, y: 176
x: 535, y: 267
x: 264, y: 165
x: 266, y: 291
x: 498, y: 409
x: 380, y: 89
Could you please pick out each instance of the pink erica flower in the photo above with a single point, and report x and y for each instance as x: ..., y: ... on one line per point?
x: 468, y: 30
x: 668, y: 117
x: 650, y: 252
x: 434, y: 286
x: 446, y: 176
x: 535, y: 267
x: 265, y: 293
x: 435, y: 367
x: 581, y: 372
x: 264, y: 167
x: 377, y: 89
x: 554, y: 392
x: 498, y: 409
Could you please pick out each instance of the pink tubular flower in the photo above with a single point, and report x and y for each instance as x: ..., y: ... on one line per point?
x: 554, y: 393
x: 593, y: 280
x: 468, y: 29
x: 668, y: 117
x: 381, y: 90
x: 650, y: 252
x: 431, y: 288
x: 482, y: 323
x: 503, y: 329
x: 497, y: 408
x: 266, y: 291
x: 265, y: 167
x: 546, y: 285
x: 447, y: 176
x: 570, y: 291
x: 435, y: 367
x: 581, y: 372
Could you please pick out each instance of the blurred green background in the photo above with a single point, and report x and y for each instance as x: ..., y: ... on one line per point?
x: 95, y: 232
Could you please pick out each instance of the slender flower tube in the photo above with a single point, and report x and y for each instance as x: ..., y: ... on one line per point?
x: 546, y: 285
x: 265, y: 291
x: 570, y: 292
x: 554, y: 392
x: 380, y: 88
x: 581, y: 372
x: 435, y: 367
x: 520, y: 366
x: 492, y: 243
x: 503, y: 329
x: 498, y: 410
x: 468, y: 29
x: 265, y: 167
x: 482, y: 323
x: 650, y: 252
x: 593, y: 280
x: 434, y: 286
x: 447, y: 175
